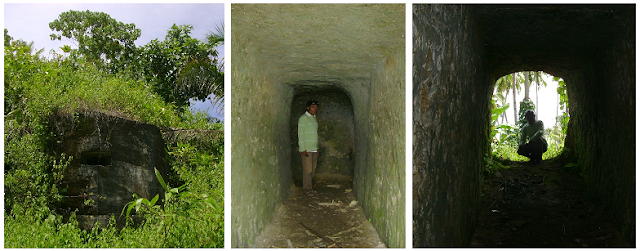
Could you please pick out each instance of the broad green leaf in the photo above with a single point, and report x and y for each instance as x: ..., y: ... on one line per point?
x: 154, y: 200
x: 160, y: 179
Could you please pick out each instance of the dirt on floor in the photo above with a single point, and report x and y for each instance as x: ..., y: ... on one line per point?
x: 541, y: 205
x: 331, y: 218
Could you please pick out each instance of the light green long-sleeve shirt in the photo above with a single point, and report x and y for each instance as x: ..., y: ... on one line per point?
x: 536, y: 130
x: 307, y: 133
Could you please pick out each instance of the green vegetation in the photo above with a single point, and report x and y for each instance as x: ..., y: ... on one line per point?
x: 99, y: 77
x: 505, y: 137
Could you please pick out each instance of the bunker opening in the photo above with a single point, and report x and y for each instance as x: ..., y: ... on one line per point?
x: 96, y: 158
x: 516, y: 93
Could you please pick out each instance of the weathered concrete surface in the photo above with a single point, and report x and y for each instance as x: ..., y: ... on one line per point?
x: 281, y: 51
x: 591, y: 46
x: 450, y: 129
x: 113, y: 158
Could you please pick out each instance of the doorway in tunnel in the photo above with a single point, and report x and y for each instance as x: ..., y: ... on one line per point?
x: 536, y: 204
x: 513, y: 95
x: 335, y: 135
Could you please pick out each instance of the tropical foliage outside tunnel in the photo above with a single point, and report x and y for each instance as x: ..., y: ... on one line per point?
x: 505, y: 130
x: 108, y: 74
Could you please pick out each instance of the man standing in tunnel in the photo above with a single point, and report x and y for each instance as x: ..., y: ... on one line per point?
x: 534, y: 132
x: 308, y: 145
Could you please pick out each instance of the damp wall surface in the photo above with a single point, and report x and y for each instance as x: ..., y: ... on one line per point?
x: 603, y: 131
x: 259, y: 179
x: 281, y: 51
x: 379, y: 181
x: 450, y: 124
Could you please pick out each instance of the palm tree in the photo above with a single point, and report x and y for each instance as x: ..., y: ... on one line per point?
x: 213, y: 40
x: 206, y: 74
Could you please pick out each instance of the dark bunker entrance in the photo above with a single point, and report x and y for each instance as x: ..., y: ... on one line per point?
x: 335, y: 133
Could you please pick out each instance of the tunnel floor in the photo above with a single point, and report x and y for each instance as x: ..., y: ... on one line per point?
x: 541, y: 205
x: 331, y: 218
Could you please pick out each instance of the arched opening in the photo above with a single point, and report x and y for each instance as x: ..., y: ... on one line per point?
x: 513, y: 95
x: 335, y: 132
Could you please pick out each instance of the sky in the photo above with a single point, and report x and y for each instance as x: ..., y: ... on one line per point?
x: 547, y: 103
x: 30, y: 22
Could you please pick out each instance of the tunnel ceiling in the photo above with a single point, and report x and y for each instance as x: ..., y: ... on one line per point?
x: 546, y: 37
x: 325, y: 43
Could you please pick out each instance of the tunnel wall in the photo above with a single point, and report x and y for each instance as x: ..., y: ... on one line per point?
x: 261, y: 173
x: 450, y: 124
x: 602, y: 127
x: 379, y: 180
x: 335, y: 131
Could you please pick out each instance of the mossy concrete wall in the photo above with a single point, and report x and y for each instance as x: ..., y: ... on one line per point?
x: 591, y: 46
x: 284, y: 51
x: 450, y: 124
x: 603, y: 123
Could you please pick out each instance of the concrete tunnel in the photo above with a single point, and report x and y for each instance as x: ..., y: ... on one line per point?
x: 351, y: 58
x: 459, y: 52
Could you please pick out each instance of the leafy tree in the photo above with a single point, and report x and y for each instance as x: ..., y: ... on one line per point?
x: 182, y: 67
x: 21, y: 63
x: 7, y: 38
x: 100, y: 38
x: 563, y: 103
x: 525, y: 105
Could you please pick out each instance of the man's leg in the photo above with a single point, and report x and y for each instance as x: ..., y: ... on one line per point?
x: 536, y: 149
x: 525, y: 150
x: 314, y: 163
x: 307, y: 172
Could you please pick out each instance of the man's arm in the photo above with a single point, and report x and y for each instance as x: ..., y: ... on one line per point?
x: 301, y: 128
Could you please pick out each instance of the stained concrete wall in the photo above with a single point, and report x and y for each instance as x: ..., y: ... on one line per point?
x: 450, y: 124
x: 591, y: 46
x: 279, y: 50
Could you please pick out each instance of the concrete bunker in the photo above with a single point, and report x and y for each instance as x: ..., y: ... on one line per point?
x: 113, y: 158
x: 284, y: 53
x: 336, y: 129
x: 459, y: 52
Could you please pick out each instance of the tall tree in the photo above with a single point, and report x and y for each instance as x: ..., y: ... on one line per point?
x: 182, y: 67
x: 513, y: 88
x: 100, y: 38
x: 527, y: 84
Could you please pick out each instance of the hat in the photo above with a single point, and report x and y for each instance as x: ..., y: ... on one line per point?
x: 313, y: 102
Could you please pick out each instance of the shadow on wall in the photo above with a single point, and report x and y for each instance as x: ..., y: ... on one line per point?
x: 335, y: 132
